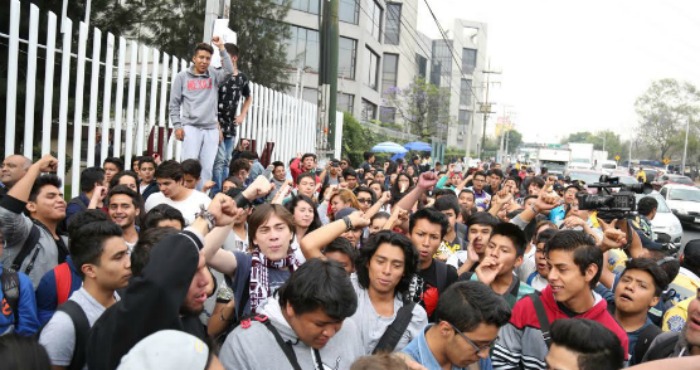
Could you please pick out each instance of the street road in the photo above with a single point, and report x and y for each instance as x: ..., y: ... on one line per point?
x: 690, y: 233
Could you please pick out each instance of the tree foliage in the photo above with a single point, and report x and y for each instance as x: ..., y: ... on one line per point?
x: 664, y: 110
x: 262, y: 37
x: 423, y: 106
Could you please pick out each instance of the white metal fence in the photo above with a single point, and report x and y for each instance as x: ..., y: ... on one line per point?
x: 274, y: 117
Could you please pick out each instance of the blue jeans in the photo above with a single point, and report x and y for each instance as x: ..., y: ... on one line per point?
x: 221, y: 163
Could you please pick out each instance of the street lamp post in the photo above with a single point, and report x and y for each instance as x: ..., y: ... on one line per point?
x: 685, y: 147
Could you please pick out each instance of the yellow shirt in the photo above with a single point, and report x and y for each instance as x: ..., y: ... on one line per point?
x: 674, y: 318
x: 686, y: 285
x: 616, y: 260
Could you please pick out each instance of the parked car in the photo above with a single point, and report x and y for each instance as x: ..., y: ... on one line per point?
x: 665, y: 222
x: 684, y: 201
x: 587, y: 176
x: 674, y: 179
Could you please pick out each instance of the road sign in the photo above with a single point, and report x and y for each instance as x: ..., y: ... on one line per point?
x: 667, y: 161
x: 617, y: 157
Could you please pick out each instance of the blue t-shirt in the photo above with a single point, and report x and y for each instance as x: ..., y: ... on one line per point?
x: 634, y: 336
x: 420, y: 352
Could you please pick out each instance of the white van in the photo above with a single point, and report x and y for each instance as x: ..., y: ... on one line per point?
x: 607, y: 166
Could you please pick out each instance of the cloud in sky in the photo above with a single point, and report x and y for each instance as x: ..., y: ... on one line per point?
x: 572, y: 66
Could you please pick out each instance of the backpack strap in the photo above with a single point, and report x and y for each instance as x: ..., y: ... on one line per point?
x: 29, y: 245
x: 542, y: 318
x: 64, y: 280
x: 392, y: 334
x: 441, y: 268
x: 644, y: 340
x: 82, y: 330
x: 285, y: 346
x: 10, y: 288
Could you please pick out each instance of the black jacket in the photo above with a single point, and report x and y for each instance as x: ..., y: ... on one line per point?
x: 151, y: 303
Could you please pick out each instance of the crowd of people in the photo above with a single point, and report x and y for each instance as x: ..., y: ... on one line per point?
x: 391, y: 265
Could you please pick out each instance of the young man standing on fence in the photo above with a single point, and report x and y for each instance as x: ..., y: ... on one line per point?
x: 193, y: 102
x: 229, y: 96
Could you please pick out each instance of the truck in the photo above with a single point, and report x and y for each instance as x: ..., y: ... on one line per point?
x: 601, y: 162
x: 555, y: 160
x: 581, y: 156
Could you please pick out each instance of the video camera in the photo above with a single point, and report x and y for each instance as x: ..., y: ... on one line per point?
x: 612, y: 205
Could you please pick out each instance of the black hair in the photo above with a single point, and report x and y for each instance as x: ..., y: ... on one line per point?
x: 115, y: 161
x: 670, y: 265
x: 514, y: 233
x: 238, y: 165
x: 482, y: 218
x: 396, y: 193
x: 304, y: 175
x: 363, y: 188
x: 448, y: 202
x: 545, y: 236
x: 23, y: 353
x: 192, y: 167
x: 88, y: 241
x: 497, y: 172
x: 437, y: 193
x: 433, y: 216
x: 691, y: 256
x: 528, y: 197
x: 647, y: 205
x: 343, y: 246
x: 379, y: 215
x: 370, y: 248
x: 276, y: 164
x: 147, y: 159
x: 603, y: 353
x: 467, y: 191
x: 292, y: 204
x: 83, y: 218
x: 40, y: 182
x: 115, y: 180
x: 162, y: 212
x: 91, y: 176
x: 584, y: 249
x: 142, y: 251
x: 170, y: 169
x: 515, y: 179
x: 231, y: 49
x: 537, y: 181
x: 247, y: 154
x: 367, y: 155
x: 136, y: 199
x: 652, y: 268
x: 349, y: 171
x: 306, y: 155
x: 468, y: 304
x: 480, y: 173
x: 319, y: 284
x: 203, y: 46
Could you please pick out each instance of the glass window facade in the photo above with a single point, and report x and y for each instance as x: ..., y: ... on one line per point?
x: 421, y: 65
x: 345, y: 102
x: 372, y: 62
x: 468, y: 61
x: 349, y: 11
x: 392, y: 30
x: 390, y: 71
x: 303, y: 48
x: 387, y: 114
x: 374, y: 23
x: 347, y: 54
x: 465, y: 92
x: 369, y: 110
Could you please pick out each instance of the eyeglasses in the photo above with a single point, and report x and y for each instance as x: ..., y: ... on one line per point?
x: 476, y: 347
x: 365, y: 200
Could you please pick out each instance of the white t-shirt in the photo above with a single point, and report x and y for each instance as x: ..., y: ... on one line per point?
x: 189, y: 206
x: 528, y: 266
x: 58, y: 336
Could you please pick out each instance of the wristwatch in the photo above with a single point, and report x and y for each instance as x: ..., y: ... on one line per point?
x: 348, y: 223
x: 207, y: 216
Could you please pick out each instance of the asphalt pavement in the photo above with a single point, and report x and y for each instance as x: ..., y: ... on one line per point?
x: 690, y: 232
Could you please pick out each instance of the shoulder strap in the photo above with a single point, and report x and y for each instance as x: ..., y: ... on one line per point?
x: 512, y: 295
x: 542, y: 318
x: 10, y: 288
x: 29, y: 244
x: 441, y: 275
x: 64, y: 280
x: 392, y: 334
x: 82, y: 330
x: 644, y: 340
x: 663, y: 346
x: 285, y: 346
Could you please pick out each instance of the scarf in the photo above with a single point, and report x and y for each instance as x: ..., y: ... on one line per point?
x: 259, y: 286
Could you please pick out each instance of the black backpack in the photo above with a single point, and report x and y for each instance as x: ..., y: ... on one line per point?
x: 82, y: 333
x: 10, y: 289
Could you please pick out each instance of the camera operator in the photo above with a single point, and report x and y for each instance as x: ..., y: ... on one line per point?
x: 646, y: 208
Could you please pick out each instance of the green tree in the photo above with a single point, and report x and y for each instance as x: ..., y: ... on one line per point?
x: 356, y: 139
x: 262, y: 38
x: 663, y: 111
x: 423, y: 106
x: 172, y: 26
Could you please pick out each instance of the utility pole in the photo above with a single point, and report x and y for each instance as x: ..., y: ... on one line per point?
x: 328, y: 72
x: 485, y: 109
x: 685, y: 147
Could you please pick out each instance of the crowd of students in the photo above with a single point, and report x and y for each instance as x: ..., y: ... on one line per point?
x: 332, y: 268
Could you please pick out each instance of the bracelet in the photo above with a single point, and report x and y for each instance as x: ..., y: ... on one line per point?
x: 348, y: 223
x: 534, y: 210
x: 207, y: 216
x: 241, y: 201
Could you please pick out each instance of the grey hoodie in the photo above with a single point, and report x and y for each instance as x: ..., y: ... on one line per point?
x: 255, y: 347
x: 195, y: 95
